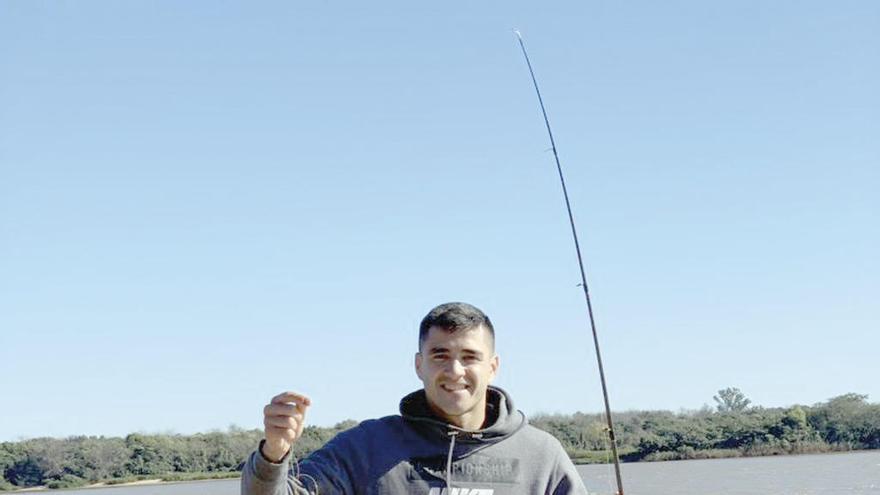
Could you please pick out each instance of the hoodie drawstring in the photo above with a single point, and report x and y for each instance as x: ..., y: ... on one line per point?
x: 452, y: 434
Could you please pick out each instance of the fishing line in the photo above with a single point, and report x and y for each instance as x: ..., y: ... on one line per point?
x: 607, y: 459
x: 583, y: 283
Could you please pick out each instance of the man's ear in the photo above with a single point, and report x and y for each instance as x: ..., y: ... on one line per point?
x: 418, y: 364
x: 494, y: 364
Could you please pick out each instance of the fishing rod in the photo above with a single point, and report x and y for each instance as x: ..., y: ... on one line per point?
x: 583, y: 283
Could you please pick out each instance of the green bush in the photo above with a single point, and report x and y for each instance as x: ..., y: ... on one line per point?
x: 66, y: 481
x: 201, y: 476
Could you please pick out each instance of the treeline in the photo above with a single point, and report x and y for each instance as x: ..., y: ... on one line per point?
x: 79, y: 461
x: 733, y: 428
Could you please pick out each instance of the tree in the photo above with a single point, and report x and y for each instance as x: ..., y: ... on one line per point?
x: 731, y: 399
x: 25, y: 473
x: 847, y: 420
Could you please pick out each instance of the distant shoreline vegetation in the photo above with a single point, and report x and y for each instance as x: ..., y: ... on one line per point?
x: 733, y: 429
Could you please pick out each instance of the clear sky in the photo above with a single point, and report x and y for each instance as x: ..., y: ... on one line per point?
x: 205, y: 203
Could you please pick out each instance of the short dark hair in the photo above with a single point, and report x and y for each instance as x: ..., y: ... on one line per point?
x: 454, y: 316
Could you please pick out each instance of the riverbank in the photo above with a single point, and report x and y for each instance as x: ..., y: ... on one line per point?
x: 581, y: 458
x: 171, y: 479
x: 97, y: 485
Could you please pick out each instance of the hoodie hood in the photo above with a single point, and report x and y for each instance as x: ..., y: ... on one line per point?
x: 501, y: 417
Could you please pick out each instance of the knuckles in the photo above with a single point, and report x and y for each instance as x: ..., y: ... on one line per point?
x: 279, y: 410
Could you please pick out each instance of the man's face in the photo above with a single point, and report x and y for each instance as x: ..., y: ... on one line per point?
x: 456, y: 368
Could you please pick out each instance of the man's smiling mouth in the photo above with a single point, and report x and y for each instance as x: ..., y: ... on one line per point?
x: 456, y: 387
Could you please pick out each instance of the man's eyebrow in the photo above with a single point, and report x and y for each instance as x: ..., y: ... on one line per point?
x: 437, y: 350
x: 472, y: 352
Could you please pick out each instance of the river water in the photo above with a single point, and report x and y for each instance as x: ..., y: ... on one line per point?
x: 838, y: 474
x: 851, y: 474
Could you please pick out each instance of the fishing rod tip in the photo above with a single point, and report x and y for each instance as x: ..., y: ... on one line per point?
x: 518, y: 34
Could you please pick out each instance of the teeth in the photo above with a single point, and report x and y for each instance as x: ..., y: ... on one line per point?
x: 454, y: 388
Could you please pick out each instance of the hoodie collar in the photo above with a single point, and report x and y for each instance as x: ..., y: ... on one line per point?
x: 502, y: 418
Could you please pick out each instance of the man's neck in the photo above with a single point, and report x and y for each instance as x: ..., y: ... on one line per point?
x: 469, y: 421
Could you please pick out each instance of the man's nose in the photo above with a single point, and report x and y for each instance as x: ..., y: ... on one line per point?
x: 455, y: 368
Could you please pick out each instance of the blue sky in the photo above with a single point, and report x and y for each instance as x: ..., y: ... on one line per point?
x: 205, y: 203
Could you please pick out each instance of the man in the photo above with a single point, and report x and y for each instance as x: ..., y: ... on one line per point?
x: 456, y: 436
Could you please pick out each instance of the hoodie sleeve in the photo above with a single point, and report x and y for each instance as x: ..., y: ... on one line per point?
x: 321, y: 472
x: 568, y: 481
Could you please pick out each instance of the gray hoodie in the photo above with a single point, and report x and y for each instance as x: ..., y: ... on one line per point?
x: 417, y: 453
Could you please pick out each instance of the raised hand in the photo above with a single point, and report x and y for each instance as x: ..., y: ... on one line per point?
x: 283, y: 419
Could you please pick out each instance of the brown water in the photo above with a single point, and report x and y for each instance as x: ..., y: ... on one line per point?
x: 838, y: 474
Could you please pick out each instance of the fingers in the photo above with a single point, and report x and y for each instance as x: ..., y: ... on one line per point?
x: 292, y: 398
x: 282, y: 410
x: 284, y: 416
x: 291, y: 423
